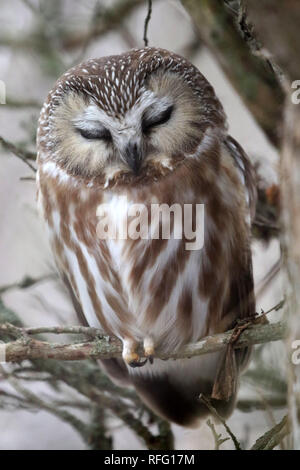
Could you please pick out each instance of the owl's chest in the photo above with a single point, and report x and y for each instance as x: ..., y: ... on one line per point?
x: 159, y: 262
x: 132, y: 278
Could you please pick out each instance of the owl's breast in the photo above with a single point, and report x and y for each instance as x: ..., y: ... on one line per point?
x: 161, y: 273
x: 135, y: 280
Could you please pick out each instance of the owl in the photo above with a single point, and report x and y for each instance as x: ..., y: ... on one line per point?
x: 145, y: 127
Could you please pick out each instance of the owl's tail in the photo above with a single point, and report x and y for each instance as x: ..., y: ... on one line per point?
x: 172, y: 388
x: 178, y: 400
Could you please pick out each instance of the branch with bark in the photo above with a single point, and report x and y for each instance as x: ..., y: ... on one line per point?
x: 223, y: 28
x: 24, y: 347
x: 277, y: 24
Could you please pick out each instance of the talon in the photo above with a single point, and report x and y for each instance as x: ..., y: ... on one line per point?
x: 137, y: 363
x: 129, y: 353
x: 131, y: 358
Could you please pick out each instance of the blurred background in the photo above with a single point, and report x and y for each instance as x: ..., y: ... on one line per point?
x: 39, y: 40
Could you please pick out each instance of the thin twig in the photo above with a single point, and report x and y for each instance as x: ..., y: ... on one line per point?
x: 41, y: 404
x: 146, y: 24
x: 216, y: 414
x: 26, y: 282
x: 274, y: 309
x: 217, y: 437
x: 22, y: 154
x: 27, y: 178
x: 13, y: 103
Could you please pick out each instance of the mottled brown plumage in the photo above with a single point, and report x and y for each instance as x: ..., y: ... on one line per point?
x: 147, y: 125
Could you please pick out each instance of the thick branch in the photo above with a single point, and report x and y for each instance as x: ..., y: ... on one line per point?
x: 25, y: 347
x: 251, y: 76
x: 273, y: 437
x: 277, y: 24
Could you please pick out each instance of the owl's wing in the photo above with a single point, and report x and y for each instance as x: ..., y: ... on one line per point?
x: 242, y: 286
x: 241, y: 299
x: 246, y: 172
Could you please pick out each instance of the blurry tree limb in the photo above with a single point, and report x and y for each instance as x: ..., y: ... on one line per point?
x: 214, y: 412
x: 251, y: 76
x: 290, y: 188
x: 273, y: 437
x: 96, y: 387
x: 36, y: 401
x: 99, y: 439
x: 146, y: 24
x: 13, y: 103
x: 268, y: 441
x: 248, y: 406
x: 26, y: 348
x: 23, y: 155
x: 26, y: 282
x: 108, y: 20
x: 277, y: 24
x: 28, y: 178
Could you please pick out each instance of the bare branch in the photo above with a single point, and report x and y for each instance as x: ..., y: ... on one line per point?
x: 26, y: 282
x: 110, y: 19
x: 22, y: 154
x: 214, y: 412
x: 146, y: 24
x: 217, y: 437
x: 13, y: 103
x: 36, y: 401
x: 251, y: 75
x: 25, y: 347
x: 273, y: 437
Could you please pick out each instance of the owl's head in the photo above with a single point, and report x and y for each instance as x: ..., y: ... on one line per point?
x: 134, y: 114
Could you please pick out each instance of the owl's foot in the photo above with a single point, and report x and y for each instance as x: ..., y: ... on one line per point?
x: 130, y: 355
x: 149, y: 349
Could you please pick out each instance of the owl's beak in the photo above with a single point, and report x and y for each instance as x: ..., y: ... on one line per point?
x: 133, y: 156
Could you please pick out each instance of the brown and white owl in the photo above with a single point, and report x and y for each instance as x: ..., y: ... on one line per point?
x: 146, y: 127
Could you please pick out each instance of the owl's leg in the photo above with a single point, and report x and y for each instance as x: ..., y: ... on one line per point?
x: 129, y: 354
x: 149, y: 348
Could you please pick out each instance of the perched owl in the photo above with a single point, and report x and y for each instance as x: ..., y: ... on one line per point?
x: 147, y: 125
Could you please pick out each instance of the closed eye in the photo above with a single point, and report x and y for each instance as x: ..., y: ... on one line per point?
x: 93, y: 134
x: 148, y: 122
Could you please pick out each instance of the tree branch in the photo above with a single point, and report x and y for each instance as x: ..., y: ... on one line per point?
x: 26, y: 282
x: 24, y: 155
x: 146, y: 24
x: 24, y: 347
x: 214, y: 412
x: 250, y: 75
x: 273, y: 437
x: 109, y: 19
